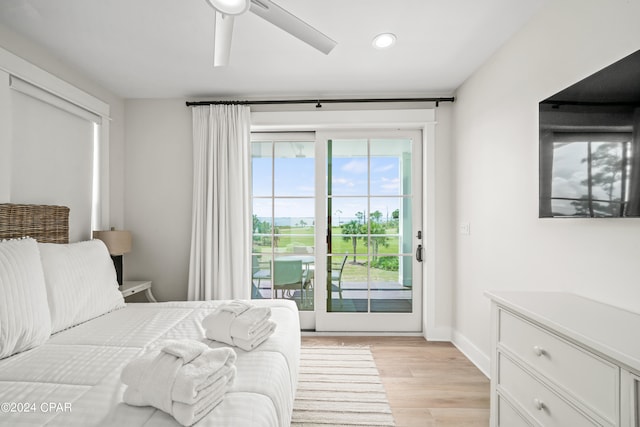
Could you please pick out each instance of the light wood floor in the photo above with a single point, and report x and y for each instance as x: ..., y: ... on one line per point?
x: 429, y: 384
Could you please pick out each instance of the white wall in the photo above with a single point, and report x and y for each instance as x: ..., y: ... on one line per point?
x: 158, y: 176
x: 40, y: 57
x: 496, y: 175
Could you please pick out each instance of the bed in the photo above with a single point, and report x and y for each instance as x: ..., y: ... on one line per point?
x: 71, y: 375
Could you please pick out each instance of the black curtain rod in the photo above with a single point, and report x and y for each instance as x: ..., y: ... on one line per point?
x: 319, y: 102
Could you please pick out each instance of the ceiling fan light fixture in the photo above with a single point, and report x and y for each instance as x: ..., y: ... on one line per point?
x: 384, y: 40
x: 230, y: 7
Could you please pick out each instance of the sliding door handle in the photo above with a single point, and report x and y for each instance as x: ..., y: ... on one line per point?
x: 419, y: 253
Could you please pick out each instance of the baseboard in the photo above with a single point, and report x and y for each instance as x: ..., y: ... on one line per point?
x: 314, y: 333
x: 438, y: 334
x: 473, y: 353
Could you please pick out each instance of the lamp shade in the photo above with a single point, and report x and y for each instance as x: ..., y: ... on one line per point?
x: 118, y: 242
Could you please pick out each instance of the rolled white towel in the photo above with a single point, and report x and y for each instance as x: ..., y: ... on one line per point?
x: 211, y: 396
x: 218, y: 323
x: 155, y: 377
x: 248, y: 345
x: 203, y: 371
x: 248, y: 324
x: 187, y: 350
x: 188, y: 414
x: 236, y: 307
x: 156, y: 371
x: 245, y: 329
x: 164, y: 379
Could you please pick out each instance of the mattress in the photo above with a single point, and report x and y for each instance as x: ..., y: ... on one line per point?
x: 74, y: 378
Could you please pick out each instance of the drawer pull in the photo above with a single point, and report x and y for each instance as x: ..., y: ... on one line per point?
x: 539, y: 404
x: 539, y: 351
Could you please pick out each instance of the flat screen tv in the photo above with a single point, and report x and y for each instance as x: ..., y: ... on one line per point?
x: 590, y: 145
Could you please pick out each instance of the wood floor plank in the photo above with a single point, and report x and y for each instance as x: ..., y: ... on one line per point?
x: 428, y: 384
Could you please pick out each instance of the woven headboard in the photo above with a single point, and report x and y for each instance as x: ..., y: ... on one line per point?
x: 45, y: 223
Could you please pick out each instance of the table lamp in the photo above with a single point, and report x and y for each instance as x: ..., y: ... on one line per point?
x: 118, y: 242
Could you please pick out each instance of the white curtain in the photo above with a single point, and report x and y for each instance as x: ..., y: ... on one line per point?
x: 220, y: 266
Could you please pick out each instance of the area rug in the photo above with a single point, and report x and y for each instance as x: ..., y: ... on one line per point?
x: 340, y: 386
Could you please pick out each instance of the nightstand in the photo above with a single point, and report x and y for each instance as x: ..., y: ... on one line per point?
x: 130, y: 287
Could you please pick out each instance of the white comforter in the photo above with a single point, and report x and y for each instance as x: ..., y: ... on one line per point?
x: 74, y: 378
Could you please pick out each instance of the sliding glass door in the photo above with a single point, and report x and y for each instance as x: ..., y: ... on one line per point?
x: 337, y: 227
x: 371, y: 209
x: 283, y: 192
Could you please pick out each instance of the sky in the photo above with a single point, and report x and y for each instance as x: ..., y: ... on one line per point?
x: 295, y: 176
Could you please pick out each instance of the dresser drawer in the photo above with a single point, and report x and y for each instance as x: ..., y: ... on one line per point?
x: 591, y: 379
x: 509, y: 417
x: 534, y: 398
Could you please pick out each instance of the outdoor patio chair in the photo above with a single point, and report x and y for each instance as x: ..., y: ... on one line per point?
x: 336, y: 275
x: 288, y: 275
x: 258, y: 273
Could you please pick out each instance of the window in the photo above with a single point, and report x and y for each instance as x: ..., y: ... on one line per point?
x: 283, y: 199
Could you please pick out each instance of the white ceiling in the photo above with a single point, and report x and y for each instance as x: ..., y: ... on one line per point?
x: 163, y: 48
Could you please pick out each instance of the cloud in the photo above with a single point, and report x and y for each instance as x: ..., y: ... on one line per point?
x: 384, y: 168
x: 390, y: 184
x: 343, y: 181
x: 356, y: 166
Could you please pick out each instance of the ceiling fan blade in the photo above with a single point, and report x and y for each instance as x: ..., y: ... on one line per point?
x: 222, y: 39
x: 281, y: 18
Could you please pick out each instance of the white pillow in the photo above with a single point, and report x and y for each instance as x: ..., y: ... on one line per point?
x: 81, y: 282
x: 24, y: 314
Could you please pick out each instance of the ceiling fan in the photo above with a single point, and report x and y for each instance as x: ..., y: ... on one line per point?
x: 226, y: 10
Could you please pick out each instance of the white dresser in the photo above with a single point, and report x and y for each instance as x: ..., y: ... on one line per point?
x: 561, y: 360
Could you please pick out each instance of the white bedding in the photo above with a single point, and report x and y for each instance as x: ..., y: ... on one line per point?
x: 74, y: 378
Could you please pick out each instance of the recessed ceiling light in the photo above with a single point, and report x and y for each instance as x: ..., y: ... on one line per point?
x: 384, y: 40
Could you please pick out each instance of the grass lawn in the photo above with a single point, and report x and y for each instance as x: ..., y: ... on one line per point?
x: 303, y: 237
x: 289, y: 237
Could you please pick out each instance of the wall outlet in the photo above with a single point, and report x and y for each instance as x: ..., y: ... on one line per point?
x: 465, y: 228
